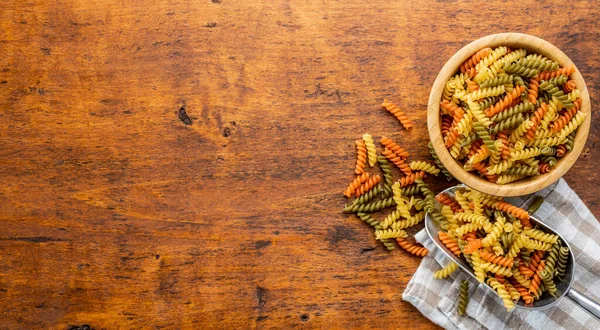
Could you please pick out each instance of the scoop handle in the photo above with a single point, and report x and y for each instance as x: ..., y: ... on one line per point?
x: 585, y: 302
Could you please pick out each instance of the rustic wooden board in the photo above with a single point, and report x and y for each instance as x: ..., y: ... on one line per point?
x: 178, y: 164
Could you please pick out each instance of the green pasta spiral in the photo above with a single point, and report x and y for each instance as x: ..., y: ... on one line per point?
x: 368, y: 196
x: 388, y: 243
x: 438, y: 163
x: 368, y: 219
x: 570, y: 141
x: 521, y: 70
x: 553, y: 90
x: 371, y: 207
x: 548, y: 282
x: 469, y: 139
x: 551, y: 161
x: 522, y: 170
x: 535, y: 205
x: 558, y: 81
x: 501, y: 79
x: 507, y: 124
x: 429, y: 195
x: 463, y: 300
x: 483, y: 133
x: 538, y: 62
x: 552, y: 258
x: 513, y: 111
x: 487, y: 102
x: 519, y: 81
x: 410, y: 190
x: 440, y: 219
x: 561, y: 264
x: 387, y: 175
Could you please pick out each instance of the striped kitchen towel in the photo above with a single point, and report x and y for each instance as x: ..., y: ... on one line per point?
x: 564, y: 212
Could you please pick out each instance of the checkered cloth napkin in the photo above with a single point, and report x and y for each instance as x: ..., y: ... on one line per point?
x: 564, y: 212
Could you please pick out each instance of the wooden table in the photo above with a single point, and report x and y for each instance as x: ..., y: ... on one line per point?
x: 179, y: 164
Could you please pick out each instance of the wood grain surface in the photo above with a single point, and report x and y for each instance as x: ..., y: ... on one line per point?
x: 179, y: 164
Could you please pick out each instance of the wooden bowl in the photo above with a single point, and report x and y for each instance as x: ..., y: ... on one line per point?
x: 524, y: 186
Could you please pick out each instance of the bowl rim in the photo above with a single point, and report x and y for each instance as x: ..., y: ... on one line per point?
x: 531, y: 184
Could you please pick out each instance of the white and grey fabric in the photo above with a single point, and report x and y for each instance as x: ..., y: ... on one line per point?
x: 564, y: 212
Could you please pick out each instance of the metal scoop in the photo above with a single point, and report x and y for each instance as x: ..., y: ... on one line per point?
x: 546, y: 300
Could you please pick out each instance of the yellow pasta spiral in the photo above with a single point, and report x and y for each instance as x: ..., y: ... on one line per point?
x: 477, y: 270
x: 496, y: 269
x: 517, y: 245
x: 484, y: 92
x: 520, y: 131
x: 533, y: 244
x: 572, y: 125
x: 540, y: 235
x: 390, y: 233
x: 500, y: 167
x: 446, y: 271
x: 501, y: 290
x: 508, y: 178
x: 406, y: 223
x: 467, y: 228
x: 547, y: 142
x: 525, y: 153
x: 423, y: 166
x: 371, y: 150
x: 493, y: 56
x: 493, y: 235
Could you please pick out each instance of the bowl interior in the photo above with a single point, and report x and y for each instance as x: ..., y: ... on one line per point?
x: 530, y: 184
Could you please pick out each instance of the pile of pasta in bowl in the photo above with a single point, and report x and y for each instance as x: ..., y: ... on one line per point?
x: 508, y: 114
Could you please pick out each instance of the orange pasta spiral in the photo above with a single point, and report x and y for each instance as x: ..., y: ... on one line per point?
x: 446, y: 124
x: 551, y: 74
x: 395, y: 110
x: 534, y: 87
x: 543, y: 168
x: 446, y: 199
x: 452, y: 135
x: 536, y: 119
x: 367, y: 185
x: 481, y: 153
x: 527, y: 298
x: 525, y: 271
x: 505, y: 102
x: 535, y: 279
x: 472, y: 85
x: 471, y: 72
x: 415, y: 249
x: 566, y: 117
x: 410, y: 179
x: 561, y: 150
x: 473, y: 60
x: 361, y: 159
x: 472, y: 246
x: 536, y: 258
x: 397, y: 161
x: 498, y: 260
x: 505, y: 152
x: 449, y: 242
x: 470, y: 236
x: 482, y: 169
x: 450, y: 106
x: 515, y: 211
x: 393, y: 146
x: 569, y: 86
x: 355, y: 184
